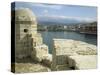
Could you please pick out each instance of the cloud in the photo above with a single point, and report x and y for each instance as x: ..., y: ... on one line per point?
x: 85, y: 19
x: 48, y: 6
x: 45, y: 11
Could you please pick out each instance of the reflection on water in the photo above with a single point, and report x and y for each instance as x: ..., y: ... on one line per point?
x: 49, y: 36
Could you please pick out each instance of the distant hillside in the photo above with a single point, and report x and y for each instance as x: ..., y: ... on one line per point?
x: 45, y: 21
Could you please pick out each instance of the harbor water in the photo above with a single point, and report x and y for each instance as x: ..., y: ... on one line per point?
x: 48, y: 37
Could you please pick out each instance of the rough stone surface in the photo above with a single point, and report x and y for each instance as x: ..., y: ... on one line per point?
x: 30, y: 67
x: 39, y: 52
x: 62, y: 67
x: 37, y: 39
x: 29, y: 43
x: 76, y: 54
x: 83, y: 62
x: 72, y: 47
x: 25, y: 25
x: 47, y: 60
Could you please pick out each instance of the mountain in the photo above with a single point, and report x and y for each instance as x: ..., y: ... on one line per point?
x: 58, y: 21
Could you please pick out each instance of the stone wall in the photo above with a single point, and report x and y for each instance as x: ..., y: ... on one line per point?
x: 73, y: 55
x: 39, y: 52
x: 28, y: 42
x: 25, y: 22
x: 66, y: 54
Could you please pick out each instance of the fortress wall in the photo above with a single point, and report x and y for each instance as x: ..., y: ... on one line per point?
x: 73, y: 55
x: 28, y: 41
x: 37, y: 39
x: 65, y: 53
x: 39, y: 52
x: 62, y: 49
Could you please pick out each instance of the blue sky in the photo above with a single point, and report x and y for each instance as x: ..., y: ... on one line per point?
x: 55, y: 11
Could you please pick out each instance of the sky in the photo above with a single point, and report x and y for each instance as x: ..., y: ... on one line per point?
x: 58, y: 11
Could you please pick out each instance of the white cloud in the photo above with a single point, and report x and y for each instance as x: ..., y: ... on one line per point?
x: 45, y: 11
x: 85, y: 19
x: 48, y: 6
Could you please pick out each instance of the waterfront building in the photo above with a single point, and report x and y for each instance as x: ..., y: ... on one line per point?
x: 90, y: 28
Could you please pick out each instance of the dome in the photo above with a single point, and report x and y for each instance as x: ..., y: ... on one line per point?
x: 24, y: 14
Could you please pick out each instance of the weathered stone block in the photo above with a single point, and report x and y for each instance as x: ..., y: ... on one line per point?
x: 37, y: 40
x: 47, y: 60
x: 39, y: 52
x: 83, y: 61
x: 63, y: 47
x: 62, y: 67
x: 86, y: 49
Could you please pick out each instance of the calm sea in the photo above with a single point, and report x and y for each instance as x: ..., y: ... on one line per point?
x: 49, y: 36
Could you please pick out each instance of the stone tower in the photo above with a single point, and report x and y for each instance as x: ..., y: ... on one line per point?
x: 25, y: 27
x: 28, y: 43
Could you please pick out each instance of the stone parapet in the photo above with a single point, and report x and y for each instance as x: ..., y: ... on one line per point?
x: 74, y: 54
